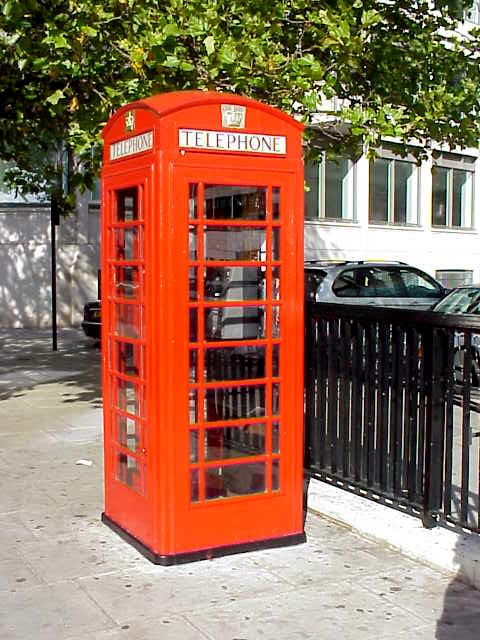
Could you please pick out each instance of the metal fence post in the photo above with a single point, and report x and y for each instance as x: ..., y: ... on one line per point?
x: 434, y: 427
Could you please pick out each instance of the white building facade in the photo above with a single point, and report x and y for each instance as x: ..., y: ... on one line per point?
x: 25, y: 264
x: 392, y: 208
x: 389, y: 208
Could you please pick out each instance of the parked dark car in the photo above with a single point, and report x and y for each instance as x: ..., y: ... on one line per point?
x: 92, y: 320
x: 384, y: 284
x: 464, y: 300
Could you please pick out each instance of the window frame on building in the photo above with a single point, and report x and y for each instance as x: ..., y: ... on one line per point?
x: 451, y: 165
x: 11, y: 198
x: 473, y: 13
x: 318, y: 177
x: 391, y: 217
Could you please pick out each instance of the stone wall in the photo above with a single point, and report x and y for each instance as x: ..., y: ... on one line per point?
x: 25, y: 265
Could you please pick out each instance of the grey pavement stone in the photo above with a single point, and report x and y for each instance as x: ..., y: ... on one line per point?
x: 48, y: 612
x: 66, y: 576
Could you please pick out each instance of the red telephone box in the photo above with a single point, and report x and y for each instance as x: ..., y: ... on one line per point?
x: 202, y: 337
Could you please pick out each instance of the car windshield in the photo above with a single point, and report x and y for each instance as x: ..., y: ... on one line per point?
x: 461, y: 301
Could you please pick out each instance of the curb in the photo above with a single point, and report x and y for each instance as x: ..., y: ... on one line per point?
x: 453, y: 552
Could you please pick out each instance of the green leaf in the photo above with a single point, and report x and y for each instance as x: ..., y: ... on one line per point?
x: 89, y: 31
x: 227, y: 55
x: 171, y: 62
x: 209, y: 44
x: 171, y: 29
x: 55, y: 97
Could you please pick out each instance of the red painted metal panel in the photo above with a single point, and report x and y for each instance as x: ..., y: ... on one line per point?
x: 202, y: 262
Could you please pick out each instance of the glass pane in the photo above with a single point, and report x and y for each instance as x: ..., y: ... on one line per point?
x: 419, y: 285
x: 382, y: 283
x: 224, y: 202
x: 194, y: 485
x: 234, y: 283
x: 311, y: 196
x: 234, y: 442
x: 193, y: 201
x: 127, y: 282
x: 459, y: 197
x: 192, y: 243
x: 128, y: 432
x: 128, y: 396
x: 235, y: 480
x: 276, y: 244
x: 193, y: 377
x: 275, y: 475
x: 193, y: 446
x: 127, y: 244
x: 275, y: 399
x: 275, y: 322
x: 193, y: 325
x: 235, y: 243
x: 379, y: 190
x: 192, y: 281
x: 439, y: 196
x: 336, y: 179
x: 234, y: 402
x: 234, y: 363
x: 349, y: 284
x: 234, y: 323
x: 128, y: 471
x: 403, y: 176
x: 128, y: 320
x: 275, y: 360
x: 127, y: 205
x: 275, y: 437
x: 128, y: 358
x: 461, y: 301
x: 276, y: 283
x: 193, y: 406
x: 276, y: 203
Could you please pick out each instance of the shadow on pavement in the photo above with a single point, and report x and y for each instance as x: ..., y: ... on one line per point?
x: 27, y: 361
x: 460, y: 619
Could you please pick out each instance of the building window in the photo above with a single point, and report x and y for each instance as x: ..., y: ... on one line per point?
x: 393, y: 193
x: 14, y: 197
x: 452, y: 191
x: 473, y: 14
x: 331, y: 187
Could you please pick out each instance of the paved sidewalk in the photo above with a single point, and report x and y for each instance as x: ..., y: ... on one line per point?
x: 66, y: 576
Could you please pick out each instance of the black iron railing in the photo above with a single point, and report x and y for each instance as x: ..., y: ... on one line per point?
x: 392, y: 407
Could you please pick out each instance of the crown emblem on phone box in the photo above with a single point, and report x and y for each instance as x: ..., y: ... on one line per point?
x: 233, y: 116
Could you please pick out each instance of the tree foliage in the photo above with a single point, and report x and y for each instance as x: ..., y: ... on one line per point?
x: 398, y: 68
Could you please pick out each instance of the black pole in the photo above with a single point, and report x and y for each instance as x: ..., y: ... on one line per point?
x: 53, y: 242
x: 55, y: 203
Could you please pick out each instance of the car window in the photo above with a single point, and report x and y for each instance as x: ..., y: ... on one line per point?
x: 385, y: 283
x: 460, y: 301
x: 312, y: 282
x: 419, y: 285
x: 368, y: 282
x: 349, y: 283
